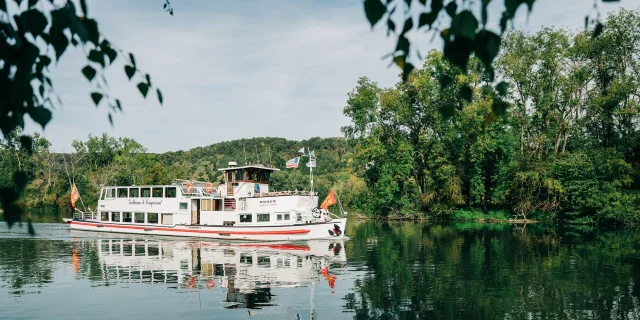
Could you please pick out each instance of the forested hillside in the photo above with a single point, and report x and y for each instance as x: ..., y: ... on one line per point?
x: 122, y: 161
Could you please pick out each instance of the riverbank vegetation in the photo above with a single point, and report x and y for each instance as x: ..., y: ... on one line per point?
x: 565, y: 141
x: 557, y: 139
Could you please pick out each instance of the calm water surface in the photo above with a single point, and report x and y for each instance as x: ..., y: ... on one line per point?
x: 386, y: 271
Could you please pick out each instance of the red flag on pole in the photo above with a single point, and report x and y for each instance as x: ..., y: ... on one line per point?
x: 75, y: 195
x: 329, y: 201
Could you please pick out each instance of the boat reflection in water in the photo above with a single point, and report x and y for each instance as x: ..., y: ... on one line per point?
x: 248, y: 271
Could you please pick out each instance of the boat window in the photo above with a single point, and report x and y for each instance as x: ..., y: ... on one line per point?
x: 139, y: 217
x: 264, y: 217
x: 205, y: 205
x: 123, y: 193
x: 265, y: 176
x: 167, y: 218
x: 146, y: 192
x: 134, y: 192
x: 240, y: 175
x: 246, y: 259
x: 157, y: 192
x: 246, y: 217
x: 264, y: 262
x: 126, y: 217
x: 111, y: 193
x: 218, y: 205
x: 115, y: 248
x: 104, y: 216
x: 279, y: 217
x: 170, y: 192
x: 152, y: 218
x: 104, y: 245
x: 286, y: 216
x: 153, y: 250
x: 183, y: 205
x: 115, y: 216
x: 127, y: 249
x: 139, y: 248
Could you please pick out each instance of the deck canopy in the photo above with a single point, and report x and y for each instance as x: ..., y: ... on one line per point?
x: 256, y: 173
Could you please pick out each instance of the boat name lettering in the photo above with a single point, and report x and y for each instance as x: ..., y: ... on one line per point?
x: 148, y: 202
x: 267, y: 201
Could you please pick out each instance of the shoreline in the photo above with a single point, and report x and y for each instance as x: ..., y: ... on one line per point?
x: 361, y: 217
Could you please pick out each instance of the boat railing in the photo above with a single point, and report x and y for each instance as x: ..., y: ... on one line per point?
x: 285, y: 193
x: 81, y: 215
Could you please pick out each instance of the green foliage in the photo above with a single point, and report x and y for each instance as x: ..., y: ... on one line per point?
x: 31, y: 37
x: 463, y: 31
x: 478, y: 215
x: 565, y: 144
x: 46, y: 177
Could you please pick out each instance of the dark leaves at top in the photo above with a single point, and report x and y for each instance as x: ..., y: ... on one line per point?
x: 374, y: 10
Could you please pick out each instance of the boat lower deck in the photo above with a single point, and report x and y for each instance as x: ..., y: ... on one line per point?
x: 324, y: 230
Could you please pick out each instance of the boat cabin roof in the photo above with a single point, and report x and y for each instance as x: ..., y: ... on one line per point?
x: 250, y: 166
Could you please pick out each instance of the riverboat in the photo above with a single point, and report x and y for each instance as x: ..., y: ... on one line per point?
x: 242, y: 207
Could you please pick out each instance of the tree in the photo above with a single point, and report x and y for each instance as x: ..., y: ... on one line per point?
x: 463, y: 32
x: 33, y: 34
x: 567, y: 149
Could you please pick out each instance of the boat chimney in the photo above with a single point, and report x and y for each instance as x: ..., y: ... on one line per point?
x: 232, y: 164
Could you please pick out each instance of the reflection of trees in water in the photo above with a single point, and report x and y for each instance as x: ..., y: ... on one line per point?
x: 29, y: 262
x: 25, y: 262
x: 493, y: 271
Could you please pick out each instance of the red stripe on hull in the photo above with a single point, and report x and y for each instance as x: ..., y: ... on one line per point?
x: 300, y: 231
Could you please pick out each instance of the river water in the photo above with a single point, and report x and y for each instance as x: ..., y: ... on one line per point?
x: 385, y: 271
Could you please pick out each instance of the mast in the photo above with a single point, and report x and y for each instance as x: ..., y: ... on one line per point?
x: 310, y: 168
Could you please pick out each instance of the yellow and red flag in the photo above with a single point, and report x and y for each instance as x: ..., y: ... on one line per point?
x: 329, y: 201
x: 75, y: 195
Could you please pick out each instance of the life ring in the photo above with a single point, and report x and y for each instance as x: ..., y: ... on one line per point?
x: 208, y: 187
x: 189, y: 188
x: 233, y: 205
x: 210, y: 284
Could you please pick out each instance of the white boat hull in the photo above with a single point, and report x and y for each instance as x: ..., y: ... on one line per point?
x: 272, y: 233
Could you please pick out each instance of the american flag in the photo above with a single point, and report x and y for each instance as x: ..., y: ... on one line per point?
x: 293, y: 163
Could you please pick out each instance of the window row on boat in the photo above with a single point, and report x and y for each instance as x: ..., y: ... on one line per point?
x: 264, y: 217
x: 138, y: 217
x: 139, y: 192
x: 167, y: 218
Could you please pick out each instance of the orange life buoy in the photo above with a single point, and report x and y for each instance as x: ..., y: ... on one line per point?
x: 210, y: 284
x: 189, y: 188
x: 208, y: 187
x: 191, y: 282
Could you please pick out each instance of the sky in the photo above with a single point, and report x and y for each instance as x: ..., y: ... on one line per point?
x: 241, y: 69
